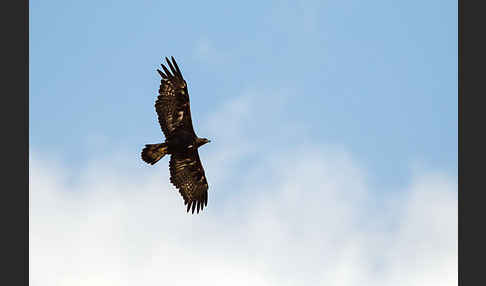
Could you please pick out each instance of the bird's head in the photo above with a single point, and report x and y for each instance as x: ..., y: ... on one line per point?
x: 202, y: 141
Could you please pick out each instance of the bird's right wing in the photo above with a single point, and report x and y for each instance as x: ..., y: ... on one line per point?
x: 187, y: 175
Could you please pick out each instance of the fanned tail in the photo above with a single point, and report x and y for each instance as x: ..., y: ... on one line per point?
x: 152, y: 153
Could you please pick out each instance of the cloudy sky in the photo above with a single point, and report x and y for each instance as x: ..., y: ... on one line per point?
x: 333, y: 158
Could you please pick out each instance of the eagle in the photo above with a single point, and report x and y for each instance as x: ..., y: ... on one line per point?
x: 181, y: 142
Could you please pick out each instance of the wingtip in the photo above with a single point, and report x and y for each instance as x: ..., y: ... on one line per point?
x: 179, y: 73
x: 166, y: 70
x: 172, y: 69
x: 173, y: 61
x: 161, y: 73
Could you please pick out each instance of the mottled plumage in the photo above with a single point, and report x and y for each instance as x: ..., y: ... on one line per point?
x: 174, y: 115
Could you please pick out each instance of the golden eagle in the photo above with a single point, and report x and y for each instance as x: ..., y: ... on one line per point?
x: 181, y: 142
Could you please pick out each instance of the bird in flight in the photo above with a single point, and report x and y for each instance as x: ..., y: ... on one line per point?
x: 181, y: 142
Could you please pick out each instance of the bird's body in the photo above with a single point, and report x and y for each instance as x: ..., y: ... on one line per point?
x: 174, y: 115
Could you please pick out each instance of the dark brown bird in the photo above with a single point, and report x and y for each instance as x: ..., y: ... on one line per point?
x: 181, y: 142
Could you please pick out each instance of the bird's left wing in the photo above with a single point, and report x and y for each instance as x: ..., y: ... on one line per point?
x: 172, y: 105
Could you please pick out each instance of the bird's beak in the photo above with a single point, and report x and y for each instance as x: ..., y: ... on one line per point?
x: 209, y: 141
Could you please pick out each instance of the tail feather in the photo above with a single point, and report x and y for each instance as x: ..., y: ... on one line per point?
x: 152, y: 153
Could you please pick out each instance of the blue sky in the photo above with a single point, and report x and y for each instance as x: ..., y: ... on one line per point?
x: 379, y: 78
x: 371, y: 85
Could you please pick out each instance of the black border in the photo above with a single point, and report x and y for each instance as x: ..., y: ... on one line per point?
x: 471, y: 123
x: 460, y: 128
x: 15, y: 142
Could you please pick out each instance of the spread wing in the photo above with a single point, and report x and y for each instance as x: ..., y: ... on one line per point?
x: 172, y: 105
x: 187, y: 175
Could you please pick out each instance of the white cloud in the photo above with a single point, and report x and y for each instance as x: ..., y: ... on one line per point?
x: 304, y: 216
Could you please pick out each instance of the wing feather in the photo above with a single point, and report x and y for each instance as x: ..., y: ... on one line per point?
x: 167, y: 72
x: 174, y: 72
x: 177, y: 67
x: 162, y: 74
